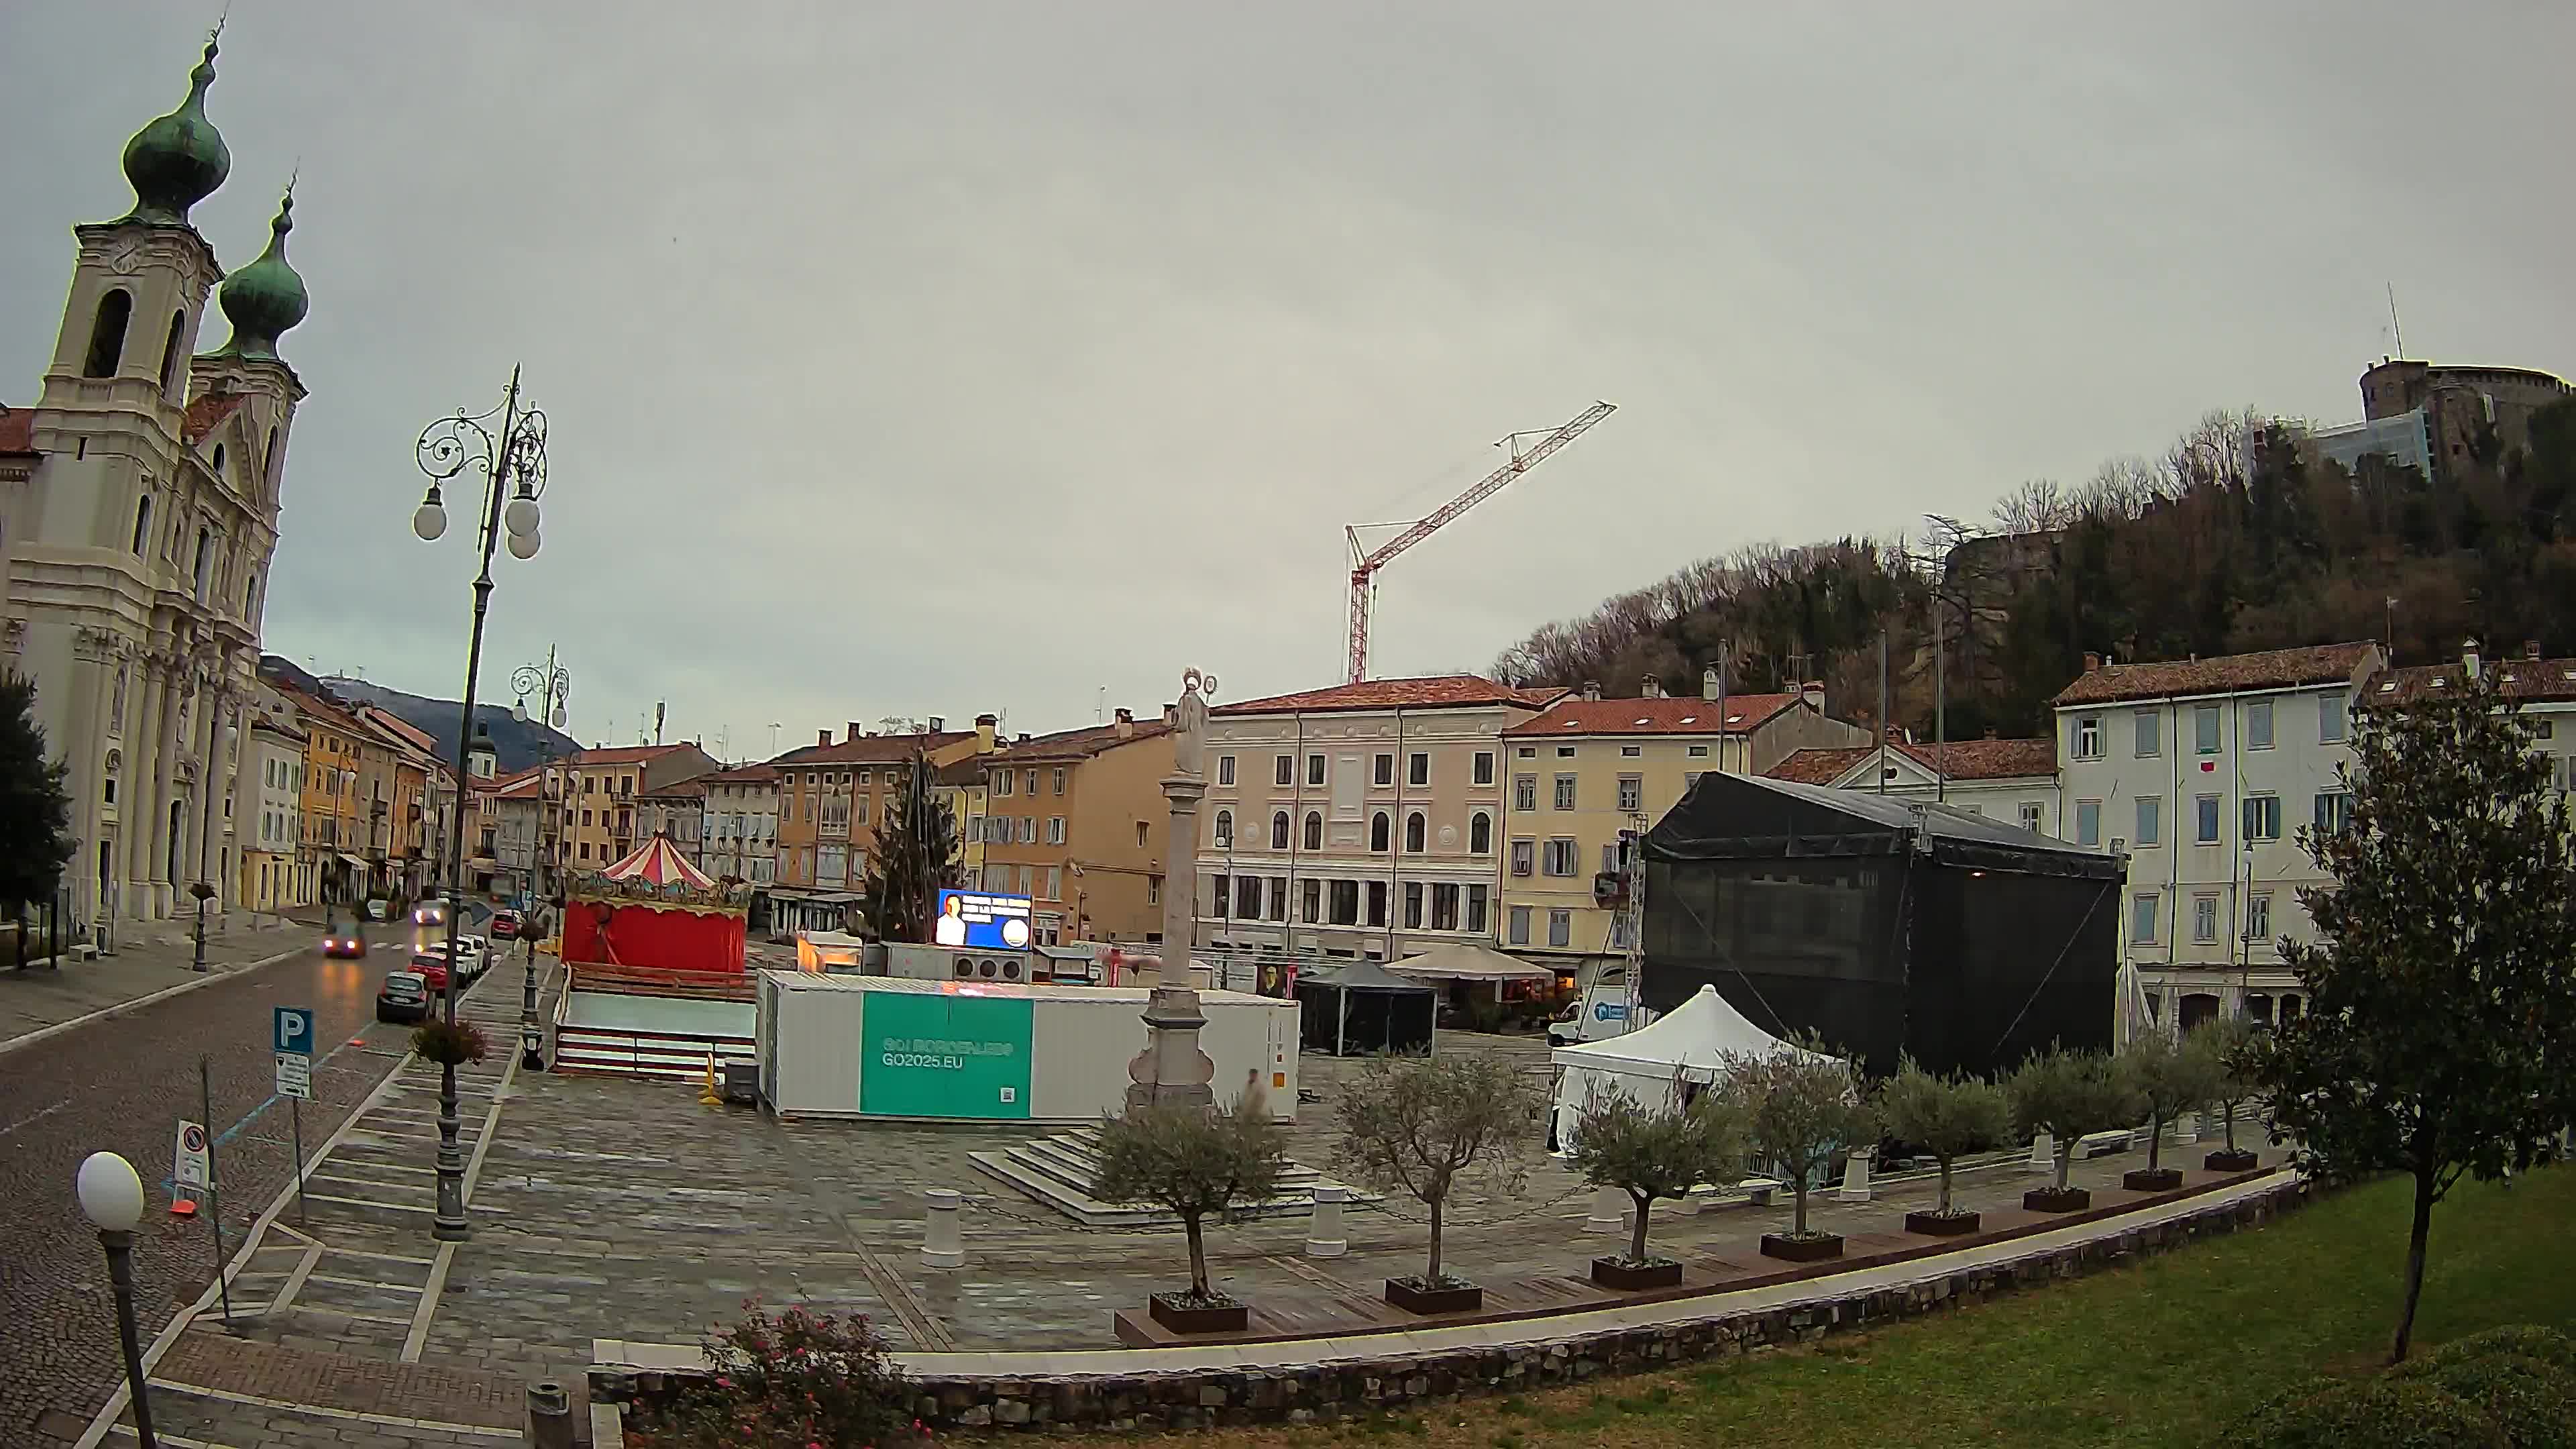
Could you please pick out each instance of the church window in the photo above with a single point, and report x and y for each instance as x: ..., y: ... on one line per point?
x: 250, y: 596
x: 170, y: 351
x: 219, y: 461
x: 269, y: 460
x: 107, y: 333
x: 142, y: 523
x: 205, y: 558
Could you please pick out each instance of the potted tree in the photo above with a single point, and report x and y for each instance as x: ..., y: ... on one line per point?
x: 2234, y: 1049
x: 1948, y: 1117
x: 1800, y: 1104
x: 1191, y: 1162
x: 1423, y: 1126
x: 2068, y: 1094
x: 2165, y: 1078
x: 1652, y: 1153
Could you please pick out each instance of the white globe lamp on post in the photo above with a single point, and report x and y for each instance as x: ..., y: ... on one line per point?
x: 111, y: 1197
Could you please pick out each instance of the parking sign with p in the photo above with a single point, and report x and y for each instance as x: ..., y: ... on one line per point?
x: 294, y: 1028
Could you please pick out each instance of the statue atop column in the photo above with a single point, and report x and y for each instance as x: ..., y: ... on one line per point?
x: 1172, y: 1070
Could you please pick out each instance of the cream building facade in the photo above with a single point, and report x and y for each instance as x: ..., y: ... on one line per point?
x: 741, y: 829
x: 1360, y: 821
x: 1590, y: 771
x: 138, y: 516
x: 270, y: 818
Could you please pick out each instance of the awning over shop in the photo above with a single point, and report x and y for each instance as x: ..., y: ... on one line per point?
x: 1466, y: 961
x: 354, y: 862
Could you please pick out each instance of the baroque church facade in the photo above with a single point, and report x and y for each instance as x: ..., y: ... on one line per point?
x: 138, y: 516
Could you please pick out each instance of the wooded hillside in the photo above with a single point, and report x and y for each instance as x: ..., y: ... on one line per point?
x: 2238, y: 537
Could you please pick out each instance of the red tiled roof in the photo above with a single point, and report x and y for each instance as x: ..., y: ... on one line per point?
x: 1440, y: 691
x: 2227, y: 674
x: 1967, y: 760
x: 2530, y: 680
x: 208, y: 413
x: 694, y: 785
x: 1079, y: 744
x: 746, y: 775
x: 17, y: 430
x: 1744, y: 713
x: 873, y: 749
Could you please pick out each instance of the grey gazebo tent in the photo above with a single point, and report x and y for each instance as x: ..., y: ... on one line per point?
x: 1360, y: 1009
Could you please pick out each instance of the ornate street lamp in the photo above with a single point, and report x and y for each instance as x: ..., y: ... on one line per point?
x: 513, y: 464
x: 111, y: 1197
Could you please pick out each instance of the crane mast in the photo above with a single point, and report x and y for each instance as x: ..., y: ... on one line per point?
x: 1365, y: 562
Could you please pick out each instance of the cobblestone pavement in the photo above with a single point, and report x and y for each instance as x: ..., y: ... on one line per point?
x: 123, y: 1085
x: 43, y: 996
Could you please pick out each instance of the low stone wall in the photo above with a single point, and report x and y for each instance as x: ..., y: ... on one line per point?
x: 1359, y: 1386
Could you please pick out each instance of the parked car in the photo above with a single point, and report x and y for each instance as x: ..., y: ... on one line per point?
x: 342, y: 945
x: 505, y: 925
x: 405, y: 996
x: 473, y: 956
x: 431, y: 965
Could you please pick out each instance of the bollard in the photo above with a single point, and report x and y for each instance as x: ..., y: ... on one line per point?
x: 1855, y: 1186
x: 941, y: 1247
x: 549, y: 1415
x: 1324, y: 1234
x: 2043, y: 1154
x: 1610, y: 1209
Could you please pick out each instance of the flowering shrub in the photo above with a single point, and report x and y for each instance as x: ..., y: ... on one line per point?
x: 797, y: 1379
x: 450, y: 1045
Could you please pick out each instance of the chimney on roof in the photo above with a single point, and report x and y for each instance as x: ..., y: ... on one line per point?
x: 2092, y: 662
x: 1125, y: 719
x: 2469, y: 659
x: 1653, y: 689
x: 1990, y: 732
x: 1023, y: 739
x: 1708, y: 685
x: 938, y: 724
x: 1813, y: 692
x: 855, y: 731
x: 2530, y: 648
x: 822, y: 737
x: 1592, y: 689
x: 986, y: 727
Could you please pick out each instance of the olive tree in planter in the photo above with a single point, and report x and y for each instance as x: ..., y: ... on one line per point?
x: 1424, y: 1126
x: 1194, y: 1161
x: 1800, y: 1104
x: 2068, y: 1094
x: 1650, y: 1153
x: 2165, y: 1078
x: 2234, y: 1048
x: 1948, y: 1117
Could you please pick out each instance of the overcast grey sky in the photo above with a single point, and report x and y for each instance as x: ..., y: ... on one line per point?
x: 935, y: 359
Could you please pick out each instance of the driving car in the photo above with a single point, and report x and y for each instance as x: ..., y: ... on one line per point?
x: 405, y: 996
x: 429, y: 913
x: 342, y: 945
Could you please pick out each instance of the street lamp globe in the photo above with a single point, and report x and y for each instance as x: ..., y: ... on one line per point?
x: 523, y: 545
x: 111, y: 1196
x: 519, y: 711
x: 429, y: 521
x: 521, y: 516
x: 562, y: 717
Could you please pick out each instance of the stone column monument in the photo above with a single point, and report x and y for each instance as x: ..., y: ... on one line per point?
x: 1171, y: 1070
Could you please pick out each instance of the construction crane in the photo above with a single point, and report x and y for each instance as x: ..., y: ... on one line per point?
x: 1365, y: 562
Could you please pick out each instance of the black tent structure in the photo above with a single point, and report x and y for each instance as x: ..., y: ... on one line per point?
x: 1885, y: 925
x: 1361, y: 1009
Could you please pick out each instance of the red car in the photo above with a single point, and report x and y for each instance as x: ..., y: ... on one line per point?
x: 505, y: 925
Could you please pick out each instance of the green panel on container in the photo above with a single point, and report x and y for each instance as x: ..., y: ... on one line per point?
x: 945, y: 1056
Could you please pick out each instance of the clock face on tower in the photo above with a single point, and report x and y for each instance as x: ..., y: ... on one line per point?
x: 127, y: 257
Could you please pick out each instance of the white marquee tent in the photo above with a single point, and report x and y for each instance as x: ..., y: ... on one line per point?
x: 1682, y: 1048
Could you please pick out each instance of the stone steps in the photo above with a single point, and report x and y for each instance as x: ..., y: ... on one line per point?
x: 1058, y: 1170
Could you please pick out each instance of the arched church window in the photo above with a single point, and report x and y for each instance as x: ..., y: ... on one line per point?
x: 170, y: 352
x: 116, y: 705
x: 219, y: 460
x: 107, y: 333
x: 269, y: 461
x: 142, y: 523
x: 205, y: 559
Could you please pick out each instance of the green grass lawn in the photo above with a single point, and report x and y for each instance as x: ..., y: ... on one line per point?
x: 2159, y: 1353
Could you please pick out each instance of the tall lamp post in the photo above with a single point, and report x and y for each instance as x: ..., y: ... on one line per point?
x: 111, y: 1197
x: 552, y: 684
x: 513, y: 464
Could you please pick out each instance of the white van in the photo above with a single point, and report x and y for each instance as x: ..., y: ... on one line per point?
x: 1600, y: 1010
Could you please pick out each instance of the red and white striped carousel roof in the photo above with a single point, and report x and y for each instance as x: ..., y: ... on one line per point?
x: 656, y: 863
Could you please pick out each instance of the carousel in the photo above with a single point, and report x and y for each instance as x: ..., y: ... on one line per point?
x: 653, y: 951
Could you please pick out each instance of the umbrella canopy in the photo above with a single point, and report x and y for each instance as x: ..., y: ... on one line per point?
x: 1467, y: 961
x: 656, y: 863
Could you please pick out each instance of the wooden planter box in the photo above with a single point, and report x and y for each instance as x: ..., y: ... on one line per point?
x: 1627, y: 1277
x: 1403, y: 1294
x: 1173, y: 1311
x: 2240, y: 1160
x: 1802, y: 1250
x: 1941, y: 1225
x: 2055, y: 1200
x: 2152, y: 1179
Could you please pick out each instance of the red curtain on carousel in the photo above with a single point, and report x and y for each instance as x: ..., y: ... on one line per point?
x: 636, y: 934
